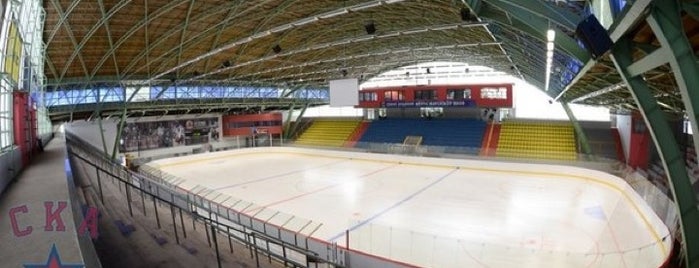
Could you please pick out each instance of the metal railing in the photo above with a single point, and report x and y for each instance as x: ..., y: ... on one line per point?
x: 259, y: 236
x: 276, y: 225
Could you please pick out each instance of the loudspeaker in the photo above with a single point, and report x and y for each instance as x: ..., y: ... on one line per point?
x: 593, y: 36
x: 277, y: 49
x: 466, y: 14
x: 370, y: 28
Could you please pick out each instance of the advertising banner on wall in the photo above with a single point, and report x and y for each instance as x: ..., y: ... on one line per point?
x: 169, y: 133
x: 429, y: 103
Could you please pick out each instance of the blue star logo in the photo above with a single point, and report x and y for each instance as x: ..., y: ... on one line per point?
x: 54, y: 261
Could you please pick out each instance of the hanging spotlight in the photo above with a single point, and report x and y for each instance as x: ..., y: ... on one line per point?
x: 370, y: 27
x: 550, y: 37
x: 466, y: 15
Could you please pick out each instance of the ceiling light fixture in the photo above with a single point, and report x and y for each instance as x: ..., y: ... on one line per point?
x: 550, y: 37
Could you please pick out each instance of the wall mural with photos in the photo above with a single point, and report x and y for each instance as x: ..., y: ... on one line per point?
x: 138, y: 136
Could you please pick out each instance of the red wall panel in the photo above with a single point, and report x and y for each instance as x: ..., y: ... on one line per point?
x: 23, y: 123
x: 245, y: 125
x: 640, y: 142
x: 409, y: 95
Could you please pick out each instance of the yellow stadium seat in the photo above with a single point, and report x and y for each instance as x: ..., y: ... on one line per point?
x: 544, y: 140
x: 328, y: 132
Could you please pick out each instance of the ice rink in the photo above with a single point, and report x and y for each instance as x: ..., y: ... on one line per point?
x: 438, y: 212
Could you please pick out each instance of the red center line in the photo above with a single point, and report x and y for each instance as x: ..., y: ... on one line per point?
x: 319, y: 189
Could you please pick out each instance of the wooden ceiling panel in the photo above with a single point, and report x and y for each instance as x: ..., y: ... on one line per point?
x: 237, y: 39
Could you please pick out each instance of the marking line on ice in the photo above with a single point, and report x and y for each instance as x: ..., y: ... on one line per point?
x: 550, y: 174
x: 317, y: 190
x: 279, y: 175
x: 384, y: 211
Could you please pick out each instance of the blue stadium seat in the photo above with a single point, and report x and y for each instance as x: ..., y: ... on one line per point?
x: 434, y: 132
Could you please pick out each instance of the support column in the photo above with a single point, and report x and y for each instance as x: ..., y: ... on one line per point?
x: 666, y: 23
x: 295, y: 127
x: 122, y: 120
x: 669, y: 151
x: 104, y: 141
x: 582, y: 138
x: 287, y: 124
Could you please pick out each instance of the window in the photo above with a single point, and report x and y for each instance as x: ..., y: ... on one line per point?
x: 458, y: 94
x: 22, y: 57
x: 43, y: 122
x: 5, y: 115
x: 429, y: 94
x: 13, y: 53
x: 494, y: 93
x: 367, y: 96
x: 393, y: 95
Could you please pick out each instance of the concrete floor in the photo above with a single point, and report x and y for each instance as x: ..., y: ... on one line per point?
x: 25, y: 238
x: 27, y: 241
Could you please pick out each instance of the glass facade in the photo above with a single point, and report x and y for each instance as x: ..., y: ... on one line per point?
x: 22, y: 62
x: 141, y: 94
x: 5, y: 115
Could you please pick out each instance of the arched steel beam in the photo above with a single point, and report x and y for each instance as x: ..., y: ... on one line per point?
x: 621, y: 25
x: 58, y: 8
x: 105, y: 18
x: 669, y: 151
x: 52, y: 67
x: 384, y: 66
x: 366, y: 55
x: 63, y: 18
x: 219, y: 31
x: 263, y: 23
x: 347, y: 41
x: 184, y: 31
x: 666, y: 23
x: 146, y: 37
x: 297, y: 23
x: 105, y: 21
x: 536, y: 27
x: 147, y: 20
x: 174, y: 30
x: 545, y: 10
